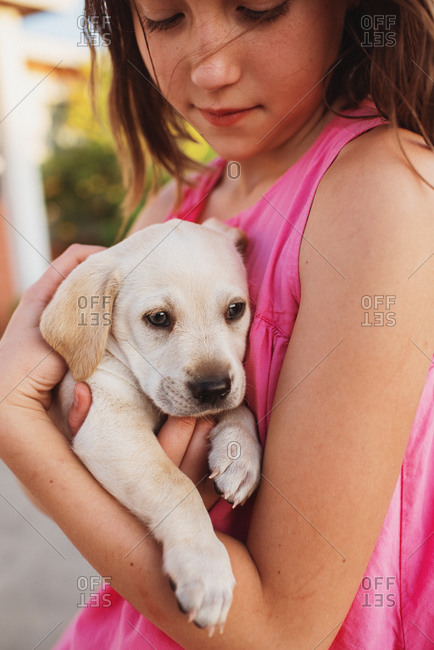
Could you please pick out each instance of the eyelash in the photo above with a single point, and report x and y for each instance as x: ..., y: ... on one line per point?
x: 266, y: 16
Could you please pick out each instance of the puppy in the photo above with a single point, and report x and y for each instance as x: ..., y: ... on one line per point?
x: 157, y: 326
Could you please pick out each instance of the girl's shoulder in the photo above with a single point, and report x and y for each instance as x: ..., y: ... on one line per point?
x: 386, y: 157
x: 373, y: 214
x: 157, y: 207
x: 382, y: 180
x: 163, y: 203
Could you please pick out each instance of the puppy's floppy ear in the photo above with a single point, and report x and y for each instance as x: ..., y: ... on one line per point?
x: 77, y: 321
x: 238, y: 237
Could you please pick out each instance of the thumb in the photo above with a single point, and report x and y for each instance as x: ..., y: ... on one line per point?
x: 80, y: 407
x: 175, y: 435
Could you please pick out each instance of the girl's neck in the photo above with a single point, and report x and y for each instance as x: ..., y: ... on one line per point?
x: 258, y: 173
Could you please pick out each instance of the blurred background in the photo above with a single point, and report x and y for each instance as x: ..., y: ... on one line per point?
x: 59, y: 183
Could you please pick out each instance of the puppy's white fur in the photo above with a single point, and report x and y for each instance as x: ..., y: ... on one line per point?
x: 137, y: 372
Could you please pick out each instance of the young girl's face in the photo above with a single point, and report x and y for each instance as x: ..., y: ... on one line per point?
x: 261, y: 89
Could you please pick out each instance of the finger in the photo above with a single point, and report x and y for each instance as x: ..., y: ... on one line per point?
x: 44, y: 288
x: 195, y: 461
x: 175, y: 436
x: 80, y: 407
x: 207, y: 492
x: 39, y: 294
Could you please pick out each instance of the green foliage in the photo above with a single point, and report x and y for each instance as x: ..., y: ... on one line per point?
x: 83, y: 189
x: 82, y: 179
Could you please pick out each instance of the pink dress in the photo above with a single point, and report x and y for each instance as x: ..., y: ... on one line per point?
x: 394, y: 606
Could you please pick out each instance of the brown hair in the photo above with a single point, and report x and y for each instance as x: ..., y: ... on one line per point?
x: 386, y: 54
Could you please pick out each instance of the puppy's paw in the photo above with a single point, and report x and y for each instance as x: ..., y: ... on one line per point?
x: 202, y: 579
x: 235, y: 457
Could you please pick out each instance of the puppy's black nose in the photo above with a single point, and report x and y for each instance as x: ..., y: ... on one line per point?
x: 210, y: 389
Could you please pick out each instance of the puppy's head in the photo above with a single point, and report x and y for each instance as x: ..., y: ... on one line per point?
x: 171, y: 303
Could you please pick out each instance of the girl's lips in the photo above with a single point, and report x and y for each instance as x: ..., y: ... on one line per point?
x: 225, y: 116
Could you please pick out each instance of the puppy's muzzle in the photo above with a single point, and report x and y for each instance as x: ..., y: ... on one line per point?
x: 210, y: 390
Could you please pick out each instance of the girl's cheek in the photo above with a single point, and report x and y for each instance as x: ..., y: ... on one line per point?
x: 166, y: 65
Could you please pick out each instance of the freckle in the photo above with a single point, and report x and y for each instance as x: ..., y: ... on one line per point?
x: 131, y: 564
x: 51, y: 480
x: 278, y: 572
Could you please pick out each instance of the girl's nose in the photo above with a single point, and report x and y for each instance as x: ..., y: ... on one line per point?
x: 215, y: 71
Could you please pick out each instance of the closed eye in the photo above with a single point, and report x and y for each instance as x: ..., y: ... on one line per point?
x: 267, y: 15
x: 161, y: 25
x: 246, y: 15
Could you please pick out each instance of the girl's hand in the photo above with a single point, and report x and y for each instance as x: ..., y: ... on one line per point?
x: 31, y: 368
x: 185, y: 441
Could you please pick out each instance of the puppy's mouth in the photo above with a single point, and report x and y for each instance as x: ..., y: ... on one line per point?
x: 205, y: 396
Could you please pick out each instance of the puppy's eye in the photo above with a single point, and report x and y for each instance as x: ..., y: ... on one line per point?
x: 159, y: 319
x: 235, y: 310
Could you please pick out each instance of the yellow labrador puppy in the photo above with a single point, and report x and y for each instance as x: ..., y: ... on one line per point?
x: 157, y: 326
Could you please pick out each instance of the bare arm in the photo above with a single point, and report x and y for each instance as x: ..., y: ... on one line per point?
x: 343, y: 411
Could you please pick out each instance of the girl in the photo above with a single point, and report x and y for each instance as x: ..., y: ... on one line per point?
x: 327, y: 109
